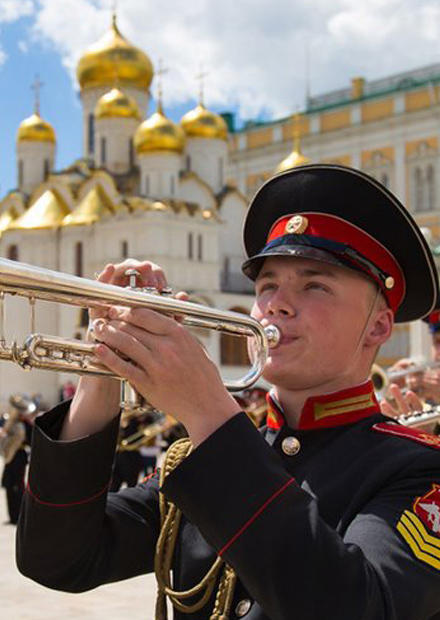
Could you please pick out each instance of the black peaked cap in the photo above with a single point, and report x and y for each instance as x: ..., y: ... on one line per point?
x: 360, y: 200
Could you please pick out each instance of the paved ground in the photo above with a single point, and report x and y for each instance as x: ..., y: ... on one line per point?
x: 21, y: 599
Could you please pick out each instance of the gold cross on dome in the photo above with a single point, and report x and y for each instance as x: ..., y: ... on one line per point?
x: 160, y: 73
x: 201, y: 78
x: 36, y: 86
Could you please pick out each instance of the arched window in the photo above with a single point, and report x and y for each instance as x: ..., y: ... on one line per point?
x: 233, y: 349
x: 20, y: 172
x: 131, y: 153
x: 172, y: 185
x: 146, y: 185
x: 79, y: 259
x: 46, y: 168
x: 221, y: 172
x: 103, y: 151
x: 91, y: 134
x: 190, y: 246
x: 418, y: 190
x: 430, y: 188
x: 83, y: 318
x: 124, y: 249
x: 199, y: 248
x: 12, y: 252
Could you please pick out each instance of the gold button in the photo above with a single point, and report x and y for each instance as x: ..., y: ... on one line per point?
x: 291, y: 446
x: 243, y: 607
x: 389, y: 282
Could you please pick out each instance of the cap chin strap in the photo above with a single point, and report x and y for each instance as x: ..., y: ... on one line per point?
x: 365, y: 327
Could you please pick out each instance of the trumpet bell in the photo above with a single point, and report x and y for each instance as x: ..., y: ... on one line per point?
x: 380, y: 381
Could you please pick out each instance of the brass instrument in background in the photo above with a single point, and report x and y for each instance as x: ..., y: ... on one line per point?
x: 12, y: 429
x: 61, y: 354
x: 148, y: 432
x: 429, y: 415
x: 381, y: 380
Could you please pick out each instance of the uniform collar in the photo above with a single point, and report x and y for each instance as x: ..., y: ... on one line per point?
x: 328, y: 410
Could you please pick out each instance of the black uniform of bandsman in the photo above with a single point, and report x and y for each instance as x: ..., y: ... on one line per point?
x: 332, y: 510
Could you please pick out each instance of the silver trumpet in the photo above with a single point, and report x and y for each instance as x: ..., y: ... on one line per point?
x: 69, y: 355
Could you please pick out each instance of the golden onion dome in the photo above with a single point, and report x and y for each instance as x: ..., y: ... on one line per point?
x: 159, y: 133
x: 35, y: 129
x: 113, y: 59
x: 294, y: 159
x: 116, y: 104
x: 202, y: 123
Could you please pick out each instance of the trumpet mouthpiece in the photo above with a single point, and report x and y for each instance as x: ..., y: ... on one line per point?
x: 273, y: 335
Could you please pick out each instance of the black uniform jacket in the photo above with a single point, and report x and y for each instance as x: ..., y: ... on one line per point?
x: 342, y: 524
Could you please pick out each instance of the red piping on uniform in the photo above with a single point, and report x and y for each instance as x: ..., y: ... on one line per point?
x: 83, y: 501
x: 257, y: 514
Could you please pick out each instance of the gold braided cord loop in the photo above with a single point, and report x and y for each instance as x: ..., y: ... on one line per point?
x: 170, y: 518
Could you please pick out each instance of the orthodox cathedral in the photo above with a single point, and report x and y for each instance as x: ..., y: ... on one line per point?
x: 177, y: 193
x: 144, y: 188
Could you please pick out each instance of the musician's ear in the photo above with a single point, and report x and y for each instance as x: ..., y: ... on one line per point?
x: 380, y: 327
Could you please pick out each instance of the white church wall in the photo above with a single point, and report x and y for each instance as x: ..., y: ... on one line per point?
x: 89, y: 99
x: 114, y: 149
x: 159, y: 174
x: 208, y: 159
x: 191, y: 190
x: 34, y: 160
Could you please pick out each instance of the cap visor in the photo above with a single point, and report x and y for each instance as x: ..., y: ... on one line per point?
x: 252, y: 267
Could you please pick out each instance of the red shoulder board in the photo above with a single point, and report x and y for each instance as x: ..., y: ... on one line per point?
x: 389, y: 428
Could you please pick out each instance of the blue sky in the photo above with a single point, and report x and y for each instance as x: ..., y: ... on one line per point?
x: 59, y: 101
x: 260, y: 55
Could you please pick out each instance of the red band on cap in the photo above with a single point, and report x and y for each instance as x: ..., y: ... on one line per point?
x: 434, y: 317
x: 334, y: 228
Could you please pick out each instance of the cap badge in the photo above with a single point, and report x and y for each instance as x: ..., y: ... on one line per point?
x: 297, y: 225
x: 389, y: 282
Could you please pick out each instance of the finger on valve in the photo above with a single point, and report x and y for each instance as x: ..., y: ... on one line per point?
x: 150, y: 275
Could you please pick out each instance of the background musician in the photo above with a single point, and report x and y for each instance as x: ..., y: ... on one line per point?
x: 15, y: 441
x: 411, y: 391
x: 325, y: 513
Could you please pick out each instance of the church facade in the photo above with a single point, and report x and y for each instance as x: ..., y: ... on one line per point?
x: 143, y: 188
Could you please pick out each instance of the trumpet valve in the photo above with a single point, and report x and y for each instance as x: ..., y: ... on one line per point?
x: 133, y: 275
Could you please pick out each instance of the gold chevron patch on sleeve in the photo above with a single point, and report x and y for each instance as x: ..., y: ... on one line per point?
x: 424, y: 545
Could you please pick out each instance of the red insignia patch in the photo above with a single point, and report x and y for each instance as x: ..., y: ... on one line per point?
x: 420, y: 528
x: 427, y: 508
x: 389, y: 428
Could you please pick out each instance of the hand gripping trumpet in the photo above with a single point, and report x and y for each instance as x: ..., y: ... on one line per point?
x: 60, y: 354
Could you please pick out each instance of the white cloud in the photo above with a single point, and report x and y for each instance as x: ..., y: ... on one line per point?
x: 23, y: 46
x: 11, y: 10
x: 254, y: 50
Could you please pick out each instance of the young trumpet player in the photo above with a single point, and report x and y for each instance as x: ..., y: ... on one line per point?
x: 332, y: 510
